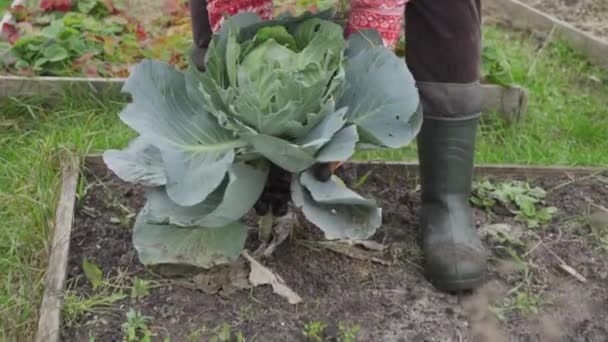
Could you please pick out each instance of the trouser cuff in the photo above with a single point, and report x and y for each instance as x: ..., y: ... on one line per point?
x: 450, y: 101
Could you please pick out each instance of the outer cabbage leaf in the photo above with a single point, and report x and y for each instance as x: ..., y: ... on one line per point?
x: 341, y: 147
x: 228, y: 203
x: 324, y: 131
x: 382, y: 98
x: 284, y: 154
x: 139, y: 163
x: 362, y: 40
x: 336, y: 210
x: 195, y: 149
x: 196, y: 246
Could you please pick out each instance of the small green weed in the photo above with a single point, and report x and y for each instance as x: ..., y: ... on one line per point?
x: 221, y: 333
x: 76, y: 307
x: 140, y: 288
x: 598, y: 224
x: 315, y: 331
x: 93, y: 273
x: 526, y: 202
x: 525, y: 297
x: 348, y: 333
x: 136, y: 329
x: 495, y: 65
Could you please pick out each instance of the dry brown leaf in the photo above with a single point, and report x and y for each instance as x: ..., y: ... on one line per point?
x: 261, y: 275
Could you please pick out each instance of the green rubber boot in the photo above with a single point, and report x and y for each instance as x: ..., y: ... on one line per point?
x: 455, y: 259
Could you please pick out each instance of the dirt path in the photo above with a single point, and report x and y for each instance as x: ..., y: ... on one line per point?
x: 587, y: 15
x: 535, y: 302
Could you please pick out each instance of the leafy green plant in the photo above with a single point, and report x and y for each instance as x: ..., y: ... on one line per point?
x: 348, y: 333
x: 495, y: 66
x: 290, y: 92
x: 92, y: 272
x: 76, y: 307
x: 526, y: 202
x: 315, y: 331
x: 136, y: 329
x: 140, y: 289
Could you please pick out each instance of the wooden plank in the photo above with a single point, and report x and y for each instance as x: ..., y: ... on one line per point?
x: 17, y: 86
x: 522, y: 16
x: 50, y: 311
x: 531, y: 171
x: 509, y: 102
x: 481, y: 169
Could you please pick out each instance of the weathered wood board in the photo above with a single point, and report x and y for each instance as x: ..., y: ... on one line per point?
x: 50, y: 310
x: 509, y: 102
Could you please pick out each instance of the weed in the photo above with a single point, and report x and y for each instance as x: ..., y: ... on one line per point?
x: 246, y: 313
x: 315, y: 331
x: 598, y: 224
x: 348, y: 333
x: 92, y: 272
x: 496, y: 66
x: 136, y: 329
x: 140, y: 288
x: 526, y: 296
x: 76, y: 307
x: 526, y: 202
x: 221, y: 334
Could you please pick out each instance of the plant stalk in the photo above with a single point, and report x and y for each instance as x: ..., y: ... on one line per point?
x: 265, y: 225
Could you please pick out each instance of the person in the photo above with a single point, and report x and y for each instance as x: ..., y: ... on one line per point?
x: 443, y: 52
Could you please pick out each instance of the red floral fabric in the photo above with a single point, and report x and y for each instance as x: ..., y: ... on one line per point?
x: 218, y: 8
x: 385, y: 16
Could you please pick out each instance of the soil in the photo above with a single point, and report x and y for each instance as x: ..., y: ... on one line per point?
x: 389, y: 303
x: 587, y: 15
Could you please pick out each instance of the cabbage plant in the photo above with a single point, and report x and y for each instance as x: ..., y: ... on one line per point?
x: 291, y: 92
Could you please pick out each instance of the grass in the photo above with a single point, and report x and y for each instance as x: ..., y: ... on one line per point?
x: 31, y: 137
x: 566, y: 124
x: 567, y: 118
x: 4, y: 5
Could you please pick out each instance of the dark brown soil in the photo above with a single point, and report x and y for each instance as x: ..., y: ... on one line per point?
x: 587, y: 15
x: 390, y: 303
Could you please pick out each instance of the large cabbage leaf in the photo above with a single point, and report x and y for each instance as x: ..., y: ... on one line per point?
x: 139, y: 163
x: 228, y: 203
x: 197, y: 246
x: 339, y: 212
x: 196, y: 151
x: 382, y: 98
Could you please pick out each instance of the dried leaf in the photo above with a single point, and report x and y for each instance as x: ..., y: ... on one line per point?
x: 261, y: 275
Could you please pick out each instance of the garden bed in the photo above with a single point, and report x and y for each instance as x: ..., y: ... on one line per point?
x: 584, y: 28
x: 556, y: 289
x: 588, y: 15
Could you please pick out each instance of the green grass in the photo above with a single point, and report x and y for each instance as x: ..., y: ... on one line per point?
x: 30, y: 139
x: 566, y: 124
x: 567, y: 118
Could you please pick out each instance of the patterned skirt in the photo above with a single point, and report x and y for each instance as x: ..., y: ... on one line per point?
x: 385, y: 16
